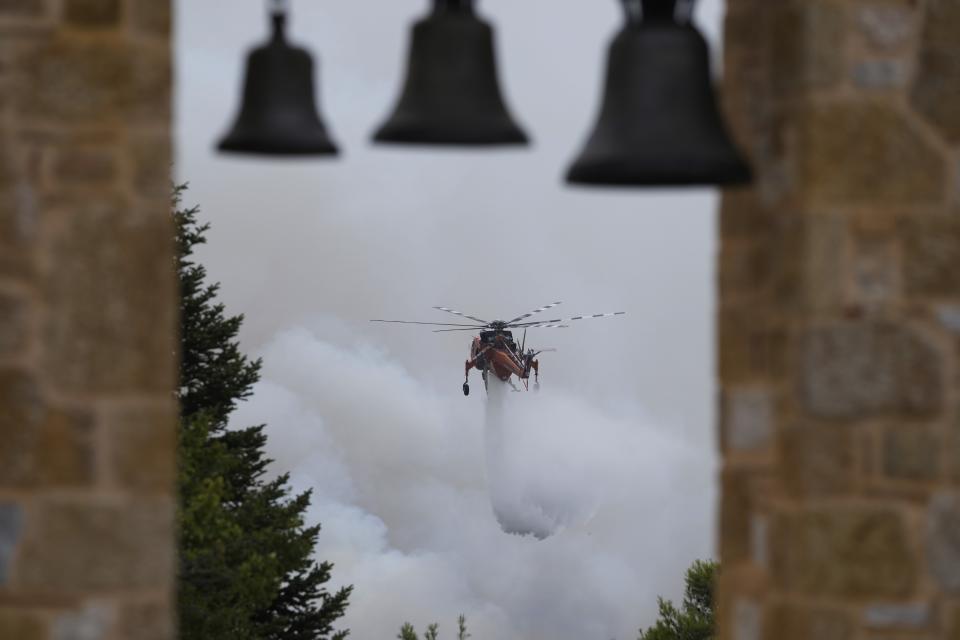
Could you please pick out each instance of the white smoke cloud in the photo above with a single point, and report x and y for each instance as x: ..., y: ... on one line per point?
x: 409, y: 485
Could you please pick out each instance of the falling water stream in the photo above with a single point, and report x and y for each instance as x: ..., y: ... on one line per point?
x: 529, y: 492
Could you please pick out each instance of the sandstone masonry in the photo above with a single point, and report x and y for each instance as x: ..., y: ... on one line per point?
x: 839, y: 322
x: 87, y: 321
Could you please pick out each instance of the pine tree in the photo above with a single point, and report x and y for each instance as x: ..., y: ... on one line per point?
x: 409, y: 632
x: 214, y: 374
x: 462, y: 628
x: 246, y: 567
x: 695, y: 619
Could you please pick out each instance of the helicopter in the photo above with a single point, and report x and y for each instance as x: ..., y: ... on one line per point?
x: 495, y: 351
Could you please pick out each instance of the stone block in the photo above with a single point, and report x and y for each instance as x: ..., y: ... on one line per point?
x: 65, y: 450
x: 931, y: 253
x: 110, y: 320
x: 817, y: 461
x: 907, y: 615
x: 151, y: 17
x: 943, y: 540
x: 808, y: 41
x: 87, y: 547
x: 18, y: 213
x: 146, y: 620
x: 142, y: 447
x: 953, y: 455
x: 788, y: 621
x: 92, y: 622
x: 749, y: 416
x: 23, y: 416
x: 43, y: 446
x: 93, y: 13
x: 844, y: 147
x: 747, y: 620
x: 955, y: 191
x: 876, y: 272
x: 16, y: 624
x: 857, y: 370
x: 14, y: 325
x: 752, y: 347
x: 744, y: 216
x: 880, y: 74
x: 150, y: 95
x: 736, y: 506
x: 853, y: 552
x: 11, y: 525
x: 825, y: 260
x: 936, y: 90
x: 74, y: 82
x: 911, y: 454
x: 759, y: 540
x: 93, y: 167
x: 953, y: 623
x: 745, y: 269
x: 886, y: 26
x: 22, y: 8
x: 151, y: 166
x: 22, y: 402
x: 949, y: 317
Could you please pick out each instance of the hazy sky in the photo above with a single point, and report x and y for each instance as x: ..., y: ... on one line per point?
x: 618, y: 448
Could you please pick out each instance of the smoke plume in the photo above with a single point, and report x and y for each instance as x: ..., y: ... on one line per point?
x: 546, y: 518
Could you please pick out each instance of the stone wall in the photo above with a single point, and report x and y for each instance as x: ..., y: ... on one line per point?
x: 87, y: 321
x: 839, y: 322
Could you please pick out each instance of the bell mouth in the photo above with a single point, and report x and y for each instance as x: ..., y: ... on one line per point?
x: 655, y: 170
x: 428, y: 134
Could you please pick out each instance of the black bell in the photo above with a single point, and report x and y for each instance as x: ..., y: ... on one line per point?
x: 452, y: 95
x: 279, y: 111
x: 659, y: 124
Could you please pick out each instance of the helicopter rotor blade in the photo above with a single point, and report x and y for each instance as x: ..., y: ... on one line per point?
x: 462, y: 315
x: 473, y: 329
x: 434, y: 324
x: 544, y: 323
x: 535, y: 311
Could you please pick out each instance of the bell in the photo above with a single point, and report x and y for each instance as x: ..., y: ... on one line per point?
x: 659, y: 124
x: 279, y: 111
x: 452, y: 95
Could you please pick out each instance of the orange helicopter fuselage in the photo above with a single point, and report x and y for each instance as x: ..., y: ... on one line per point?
x: 498, y: 359
x: 500, y: 355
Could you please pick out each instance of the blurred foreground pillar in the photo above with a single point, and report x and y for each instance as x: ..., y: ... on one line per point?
x: 839, y: 322
x: 87, y: 319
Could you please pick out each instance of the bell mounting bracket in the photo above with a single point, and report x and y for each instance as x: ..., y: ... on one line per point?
x: 658, y: 10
